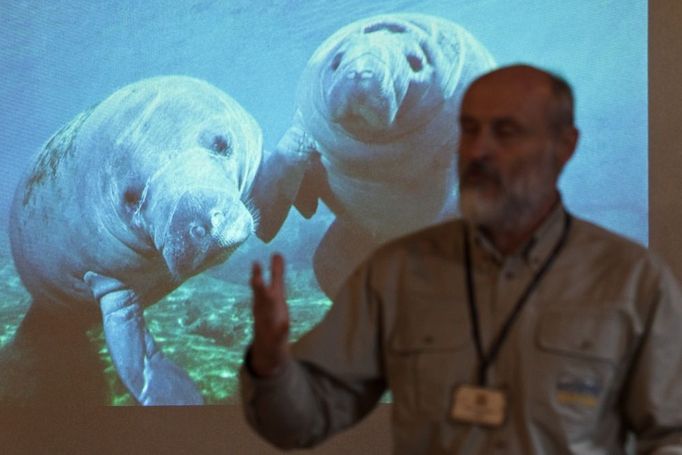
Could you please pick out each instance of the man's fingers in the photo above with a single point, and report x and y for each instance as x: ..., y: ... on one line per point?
x: 269, y: 349
x: 256, y: 275
x: 257, y: 284
x: 276, y: 287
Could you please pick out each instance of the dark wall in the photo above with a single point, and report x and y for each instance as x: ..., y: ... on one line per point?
x: 665, y: 120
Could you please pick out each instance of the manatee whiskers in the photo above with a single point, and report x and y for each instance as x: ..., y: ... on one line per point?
x: 250, y: 206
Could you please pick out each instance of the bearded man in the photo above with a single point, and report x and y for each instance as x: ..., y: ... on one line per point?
x: 519, y: 329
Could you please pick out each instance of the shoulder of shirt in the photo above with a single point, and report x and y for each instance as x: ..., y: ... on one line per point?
x: 436, y: 238
x: 591, y: 231
x: 589, y: 235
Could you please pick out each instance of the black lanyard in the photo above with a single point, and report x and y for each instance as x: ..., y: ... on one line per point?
x: 484, y: 361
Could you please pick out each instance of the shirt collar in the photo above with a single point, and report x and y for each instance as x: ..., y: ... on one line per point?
x: 535, y: 250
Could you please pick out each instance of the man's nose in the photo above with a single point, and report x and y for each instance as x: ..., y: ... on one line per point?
x: 477, y: 146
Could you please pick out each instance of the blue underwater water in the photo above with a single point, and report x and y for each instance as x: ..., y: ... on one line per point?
x: 60, y: 58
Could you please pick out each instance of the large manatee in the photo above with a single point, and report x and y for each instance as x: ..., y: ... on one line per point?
x: 123, y: 204
x: 375, y: 132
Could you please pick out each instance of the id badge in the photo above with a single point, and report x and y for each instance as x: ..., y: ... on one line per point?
x: 479, y: 405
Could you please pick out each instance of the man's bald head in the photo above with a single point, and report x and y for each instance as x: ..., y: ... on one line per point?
x: 529, y: 79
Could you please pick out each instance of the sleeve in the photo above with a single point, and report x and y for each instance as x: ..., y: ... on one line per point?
x: 335, y: 379
x: 653, y: 401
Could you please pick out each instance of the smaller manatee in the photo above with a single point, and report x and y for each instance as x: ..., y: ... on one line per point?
x: 374, y: 135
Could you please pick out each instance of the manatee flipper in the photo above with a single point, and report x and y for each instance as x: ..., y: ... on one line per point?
x: 150, y: 377
x: 340, y: 252
x: 314, y: 187
x: 279, y: 179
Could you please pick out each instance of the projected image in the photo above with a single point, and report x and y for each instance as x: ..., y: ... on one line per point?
x: 151, y: 154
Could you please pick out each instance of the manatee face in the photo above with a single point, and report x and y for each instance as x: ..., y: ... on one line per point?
x: 194, y: 221
x: 185, y: 163
x: 379, y: 80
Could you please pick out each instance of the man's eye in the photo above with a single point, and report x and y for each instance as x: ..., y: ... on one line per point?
x: 507, y: 131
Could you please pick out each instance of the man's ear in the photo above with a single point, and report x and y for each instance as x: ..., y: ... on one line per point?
x: 568, y: 141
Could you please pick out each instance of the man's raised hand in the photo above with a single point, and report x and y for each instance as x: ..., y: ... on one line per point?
x: 270, y: 348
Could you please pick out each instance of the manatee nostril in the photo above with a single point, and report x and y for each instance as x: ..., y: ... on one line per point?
x: 131, y: 197
x: 359, y: 75
x: 217, y: 218
x: 197, y: 232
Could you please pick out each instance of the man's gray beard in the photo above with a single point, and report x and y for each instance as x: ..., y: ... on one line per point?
x: 516, y: 202
x: 503, y: 212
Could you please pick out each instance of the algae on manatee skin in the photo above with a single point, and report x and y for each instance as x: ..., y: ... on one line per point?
x: 59, y: 146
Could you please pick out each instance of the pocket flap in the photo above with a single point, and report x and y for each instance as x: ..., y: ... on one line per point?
x: 588, y: 334
x: 431, y: 323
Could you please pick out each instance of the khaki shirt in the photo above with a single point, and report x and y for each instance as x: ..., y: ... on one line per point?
x: 595, y: 352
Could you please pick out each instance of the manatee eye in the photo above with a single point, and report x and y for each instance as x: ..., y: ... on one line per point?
x: 220, y: 145
x: 415, y: 63
x: 131, y: 197
x: 336, y: 61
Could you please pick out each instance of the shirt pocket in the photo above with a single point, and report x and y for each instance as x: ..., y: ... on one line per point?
x: 429, y: 351
x: 580, y: 355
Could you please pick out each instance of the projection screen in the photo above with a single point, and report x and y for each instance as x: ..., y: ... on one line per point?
x: 61, y: 61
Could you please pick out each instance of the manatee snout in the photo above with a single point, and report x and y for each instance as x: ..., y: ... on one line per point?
x: 205, y: 228
x: 363, y: 96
